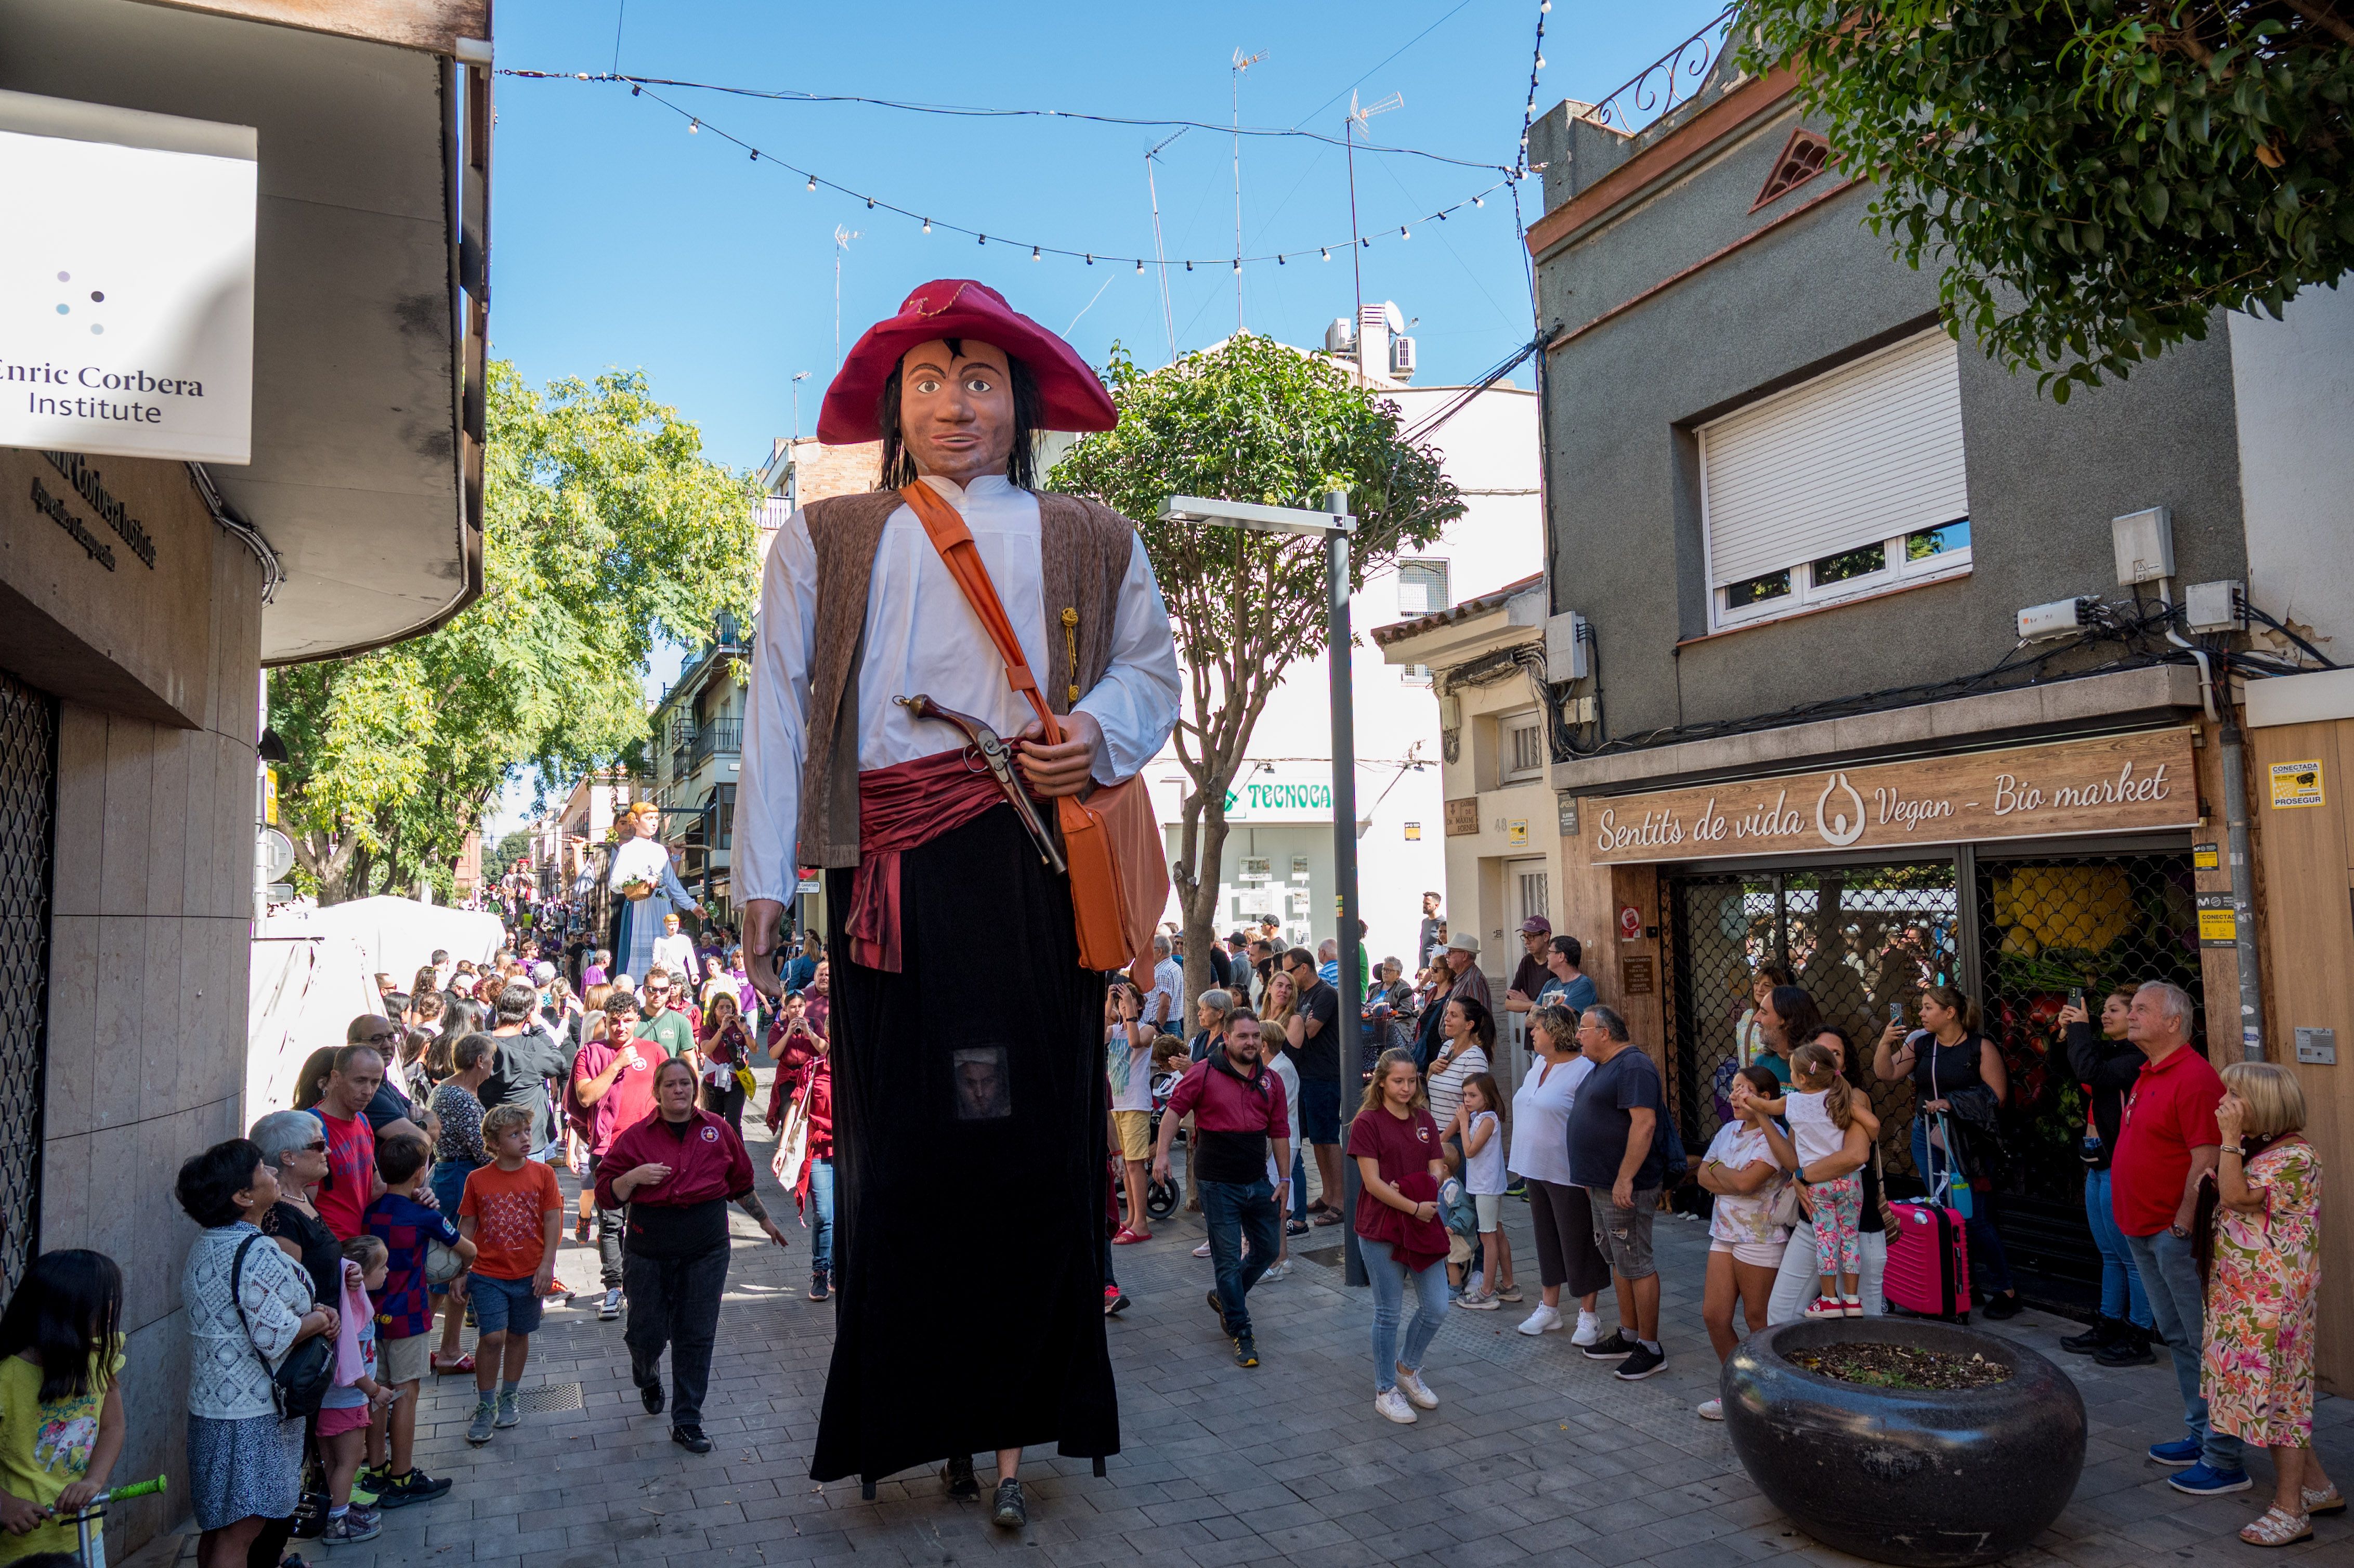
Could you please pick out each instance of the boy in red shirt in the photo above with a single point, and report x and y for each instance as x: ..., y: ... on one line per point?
x: 512, y: 1212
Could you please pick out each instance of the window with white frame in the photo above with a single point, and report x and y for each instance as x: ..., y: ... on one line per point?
x: 1422, y: 590
x: 1523, y: 750
x: 1845, y: 485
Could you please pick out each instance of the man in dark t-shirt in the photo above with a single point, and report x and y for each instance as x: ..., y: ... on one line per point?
x: 1312, y: 1040
x: 1614, y: 1153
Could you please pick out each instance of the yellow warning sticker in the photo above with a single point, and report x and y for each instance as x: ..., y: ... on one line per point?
x: 2297, y: 784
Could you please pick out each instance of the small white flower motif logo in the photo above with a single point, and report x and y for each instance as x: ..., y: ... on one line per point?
x: 1838, y: 828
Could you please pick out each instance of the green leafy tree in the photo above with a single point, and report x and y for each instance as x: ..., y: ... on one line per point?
x: 1248, y: 421
x: 604, y: 527
x: 2096, y: 177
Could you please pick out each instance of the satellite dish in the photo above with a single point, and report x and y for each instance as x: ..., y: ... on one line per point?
x: 277, y: 854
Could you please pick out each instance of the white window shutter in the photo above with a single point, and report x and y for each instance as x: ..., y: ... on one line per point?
x: 1864, y: 453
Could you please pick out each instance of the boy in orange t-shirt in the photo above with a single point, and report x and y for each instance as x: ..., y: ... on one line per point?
x: 512, y: 1212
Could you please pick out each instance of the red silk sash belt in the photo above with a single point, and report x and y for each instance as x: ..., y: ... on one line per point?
x: 903, y: 807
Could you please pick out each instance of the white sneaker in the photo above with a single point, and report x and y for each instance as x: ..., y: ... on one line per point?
x: 1416, y: 1391
x: 1543, y: 1320
x: 1276, y: 1270
x: 1201, y: 1251
x: 1391, y: 1405
x: 1711, y: 1410
x: 1589, y: 1329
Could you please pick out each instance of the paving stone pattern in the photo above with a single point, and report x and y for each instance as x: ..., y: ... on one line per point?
x: 1535, y: 1453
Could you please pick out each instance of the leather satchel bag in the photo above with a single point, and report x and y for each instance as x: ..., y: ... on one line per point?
x: 1111, y: 840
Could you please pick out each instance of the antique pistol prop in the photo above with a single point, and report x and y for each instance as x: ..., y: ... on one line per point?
x: 994, y: 755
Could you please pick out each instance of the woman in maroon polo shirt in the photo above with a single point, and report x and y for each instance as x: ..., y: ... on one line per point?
x: 677, y: 1171
x: 1396, y: 1145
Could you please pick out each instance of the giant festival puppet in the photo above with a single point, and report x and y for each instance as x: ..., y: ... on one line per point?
x: 969, y: 1133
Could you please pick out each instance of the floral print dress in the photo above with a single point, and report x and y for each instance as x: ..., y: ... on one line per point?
x: 2257, y: 1369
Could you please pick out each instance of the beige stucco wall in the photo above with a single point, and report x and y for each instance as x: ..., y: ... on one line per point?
x: 151, y: 912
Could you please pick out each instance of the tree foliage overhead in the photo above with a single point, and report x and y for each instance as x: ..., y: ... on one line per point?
x: 2095, y: 176
x: 1248, y: 421
x: 604, y: 527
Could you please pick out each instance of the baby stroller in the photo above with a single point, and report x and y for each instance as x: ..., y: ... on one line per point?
x: 1160, y: 1197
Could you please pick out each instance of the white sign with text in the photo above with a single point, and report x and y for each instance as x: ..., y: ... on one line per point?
x: 126, y: 282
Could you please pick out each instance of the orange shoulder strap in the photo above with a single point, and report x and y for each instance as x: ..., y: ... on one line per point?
x: 954, y: 542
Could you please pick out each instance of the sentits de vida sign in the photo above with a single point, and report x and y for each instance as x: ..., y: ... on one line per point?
x: 2125, y: 782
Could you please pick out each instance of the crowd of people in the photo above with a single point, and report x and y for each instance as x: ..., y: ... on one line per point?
x: 2201, y: 1192
x: 413, y: 1178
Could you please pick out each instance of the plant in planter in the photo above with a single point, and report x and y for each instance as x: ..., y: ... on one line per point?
x: 1904, y: 1441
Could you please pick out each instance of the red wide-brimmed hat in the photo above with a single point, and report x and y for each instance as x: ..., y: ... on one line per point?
x: 958, y: 307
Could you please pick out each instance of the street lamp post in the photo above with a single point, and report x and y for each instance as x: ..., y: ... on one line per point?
x: 1334, y: 524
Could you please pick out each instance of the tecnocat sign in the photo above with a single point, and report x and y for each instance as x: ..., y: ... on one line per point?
x: 126, y: 282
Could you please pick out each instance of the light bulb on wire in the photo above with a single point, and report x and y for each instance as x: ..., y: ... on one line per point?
x: 928, y: 226
x: 813, y: 183
x: 692, y: 126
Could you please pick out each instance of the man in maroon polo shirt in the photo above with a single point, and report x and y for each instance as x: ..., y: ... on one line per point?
x: 2166, y: 1143
x: 1240, y: 1122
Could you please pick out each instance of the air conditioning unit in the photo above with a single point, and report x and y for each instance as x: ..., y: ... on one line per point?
x: 1402, y: 359
x: 1340, y: 338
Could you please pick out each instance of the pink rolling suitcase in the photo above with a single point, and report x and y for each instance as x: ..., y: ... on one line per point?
x: 1928, y: 1273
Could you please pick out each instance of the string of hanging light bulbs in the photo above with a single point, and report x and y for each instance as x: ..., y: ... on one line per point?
x: 814, y: 181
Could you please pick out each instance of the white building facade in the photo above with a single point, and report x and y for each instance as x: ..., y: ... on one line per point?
x: 1278, y: 851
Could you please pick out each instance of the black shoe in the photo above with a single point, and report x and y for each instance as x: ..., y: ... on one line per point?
x: 1006, y: 1511
x: 652, y: 1392
x: 2099, y: 1337
x: 1641, y: 1364
x: 1246, y: 1351
x: 1616, y: 1348
x: 1295, y: 1227
x: 2001, y: 1307
x: 1219, y: 1307
x: 958, y: 1476
x: 2130, y: 1348
x: 691, y: 1438
x: 412, y: 1486
x: 820, y: 1286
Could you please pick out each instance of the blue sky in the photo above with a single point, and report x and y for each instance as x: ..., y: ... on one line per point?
x: 621, y: 239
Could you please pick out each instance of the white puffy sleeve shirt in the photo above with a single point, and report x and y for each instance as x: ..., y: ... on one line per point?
x: 921, y: 636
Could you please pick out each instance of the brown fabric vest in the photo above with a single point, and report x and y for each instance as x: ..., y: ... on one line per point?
x: 1083, y: 549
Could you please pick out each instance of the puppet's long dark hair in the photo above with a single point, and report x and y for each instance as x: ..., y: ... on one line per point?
x: 68, y: 1310
x: 899, y: 467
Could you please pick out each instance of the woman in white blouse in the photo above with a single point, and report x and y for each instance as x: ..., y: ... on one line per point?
x: 1465, y: 1034
x: 1567, y: 1254
x: 245, y: 1463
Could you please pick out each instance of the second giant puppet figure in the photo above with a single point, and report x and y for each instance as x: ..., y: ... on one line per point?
x: 969, y: 1133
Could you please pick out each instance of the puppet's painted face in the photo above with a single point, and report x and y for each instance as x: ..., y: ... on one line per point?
x: 956, y: 409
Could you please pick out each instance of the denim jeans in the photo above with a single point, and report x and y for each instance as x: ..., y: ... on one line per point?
x: 1239, y: 1212
x: 2170, y: 1276
x: 821, y: 1202
x: 1299, y: 1183
x: 1389, y: 1282
x: 1990, y: 1269
x: 2121, y: 1291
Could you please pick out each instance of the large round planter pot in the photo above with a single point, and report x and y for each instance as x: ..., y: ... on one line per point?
x: 1926, y: 1480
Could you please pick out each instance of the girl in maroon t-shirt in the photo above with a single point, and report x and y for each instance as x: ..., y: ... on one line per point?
x: 1396, y: 1145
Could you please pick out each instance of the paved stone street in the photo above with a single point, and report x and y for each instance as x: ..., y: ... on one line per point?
x: 1535, y: 1453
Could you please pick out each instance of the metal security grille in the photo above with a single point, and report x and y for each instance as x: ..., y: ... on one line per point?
x: 1857, y: 937
x: 29, y: 765
x: 2047, y: 924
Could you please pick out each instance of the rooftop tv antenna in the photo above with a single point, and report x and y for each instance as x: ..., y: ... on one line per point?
x: 1241, y: 65
x: 1358, y: 115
